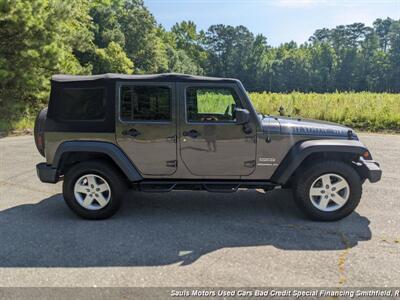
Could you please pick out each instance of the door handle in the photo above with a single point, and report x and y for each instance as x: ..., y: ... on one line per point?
x: 192, y: 133
x: 131, y: 132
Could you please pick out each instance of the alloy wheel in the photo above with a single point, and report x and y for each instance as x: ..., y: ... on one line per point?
x: 92, y: 192
x: 329, y: 192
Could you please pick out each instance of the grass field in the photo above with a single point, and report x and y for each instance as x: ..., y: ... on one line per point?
x: 22, y: 124
x: 366, y: 111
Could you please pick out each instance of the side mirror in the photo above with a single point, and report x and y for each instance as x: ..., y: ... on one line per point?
x: 242, y: 116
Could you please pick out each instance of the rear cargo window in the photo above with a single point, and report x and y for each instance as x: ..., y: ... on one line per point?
x: 145, y: 103
x: 82, y: 104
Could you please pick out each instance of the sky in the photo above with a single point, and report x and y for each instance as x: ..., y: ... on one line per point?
x: 279, y: 20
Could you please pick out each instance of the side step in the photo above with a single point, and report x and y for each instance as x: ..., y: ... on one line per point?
x: 160, y: 186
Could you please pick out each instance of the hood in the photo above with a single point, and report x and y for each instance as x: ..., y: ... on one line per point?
x: 297, y: 126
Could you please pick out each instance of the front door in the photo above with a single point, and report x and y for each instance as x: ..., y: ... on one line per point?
x: 211, y: 142
x: 146, y: 127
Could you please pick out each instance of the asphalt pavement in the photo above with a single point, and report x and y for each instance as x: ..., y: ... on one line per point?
x: 243, y: 239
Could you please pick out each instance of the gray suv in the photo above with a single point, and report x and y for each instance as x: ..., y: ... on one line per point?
x: 103, y: 134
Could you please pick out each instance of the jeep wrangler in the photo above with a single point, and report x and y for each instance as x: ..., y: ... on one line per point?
x: 103, y: 134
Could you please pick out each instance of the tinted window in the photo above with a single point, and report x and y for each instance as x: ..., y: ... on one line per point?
x: 145, y: 103
x: 211, y: 104
x: 82, y: 104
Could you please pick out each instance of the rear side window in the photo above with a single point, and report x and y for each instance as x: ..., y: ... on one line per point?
x: 82, y: 104
x: 145, y: 103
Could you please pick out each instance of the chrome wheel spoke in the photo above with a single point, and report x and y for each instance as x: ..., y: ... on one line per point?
x: 317, y: 191
x: 326, y: 180
x: 87, y: 201
x: 324, y: 203
x: 102, y: 187
x: 101, y: 200
x: 340, y: 185
x: 91, y: 180
x: 81, y: 189
x: 339, y: 199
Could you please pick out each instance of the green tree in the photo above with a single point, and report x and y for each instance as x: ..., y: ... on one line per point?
x: 323, y: 64
x: 382, y: 29
x: 229, y: 50
x: 394, y: 56
x: 37, y: 39
x: 290, y: 68
x: 178, y: 59
x: 257, y: 64
x: 142, y: 44
x: 129, y: 24
x: 190, y: 41
x: 112, y: 59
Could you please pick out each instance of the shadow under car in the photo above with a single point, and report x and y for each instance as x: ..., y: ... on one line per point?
x: 166, y: 228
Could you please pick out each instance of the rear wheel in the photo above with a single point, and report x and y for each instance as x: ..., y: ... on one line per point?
x: 328, y: 190
x: 93, y: 190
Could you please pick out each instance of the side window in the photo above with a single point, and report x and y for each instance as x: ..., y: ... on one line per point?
x: 145, y: 103
x: 204, y: 104
x: 81, y: 104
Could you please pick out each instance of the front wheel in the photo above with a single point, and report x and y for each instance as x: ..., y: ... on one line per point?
x: 328, y: 190
x: 93, y: 189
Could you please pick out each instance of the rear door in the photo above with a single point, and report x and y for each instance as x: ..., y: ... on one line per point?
x: 146, y: 126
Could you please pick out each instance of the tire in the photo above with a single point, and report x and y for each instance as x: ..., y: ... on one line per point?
x: 38, y: 130
x: 317, y: 201
x: 108, y: 186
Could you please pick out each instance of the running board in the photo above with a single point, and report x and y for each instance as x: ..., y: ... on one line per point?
x: 160, y: 186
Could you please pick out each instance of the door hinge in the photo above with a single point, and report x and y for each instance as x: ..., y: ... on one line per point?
x: 250, y: 164
x: 172, y: 163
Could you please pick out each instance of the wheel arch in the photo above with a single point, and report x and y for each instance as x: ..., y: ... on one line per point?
x: 71, y: 152
x: 307, y: 152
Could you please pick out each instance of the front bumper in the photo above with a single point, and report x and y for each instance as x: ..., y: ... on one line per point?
x: 47, y: 174
x: 371, y: 169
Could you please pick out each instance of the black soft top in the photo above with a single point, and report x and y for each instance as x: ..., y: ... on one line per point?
x: 152, y: 77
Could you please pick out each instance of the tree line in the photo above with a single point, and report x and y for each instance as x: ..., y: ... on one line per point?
x: 39, y: 38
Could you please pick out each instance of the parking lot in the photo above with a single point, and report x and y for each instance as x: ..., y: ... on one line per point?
x: 247, y: 238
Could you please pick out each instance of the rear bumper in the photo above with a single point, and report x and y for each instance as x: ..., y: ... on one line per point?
x: 371, y: 170
x: 46, y: 173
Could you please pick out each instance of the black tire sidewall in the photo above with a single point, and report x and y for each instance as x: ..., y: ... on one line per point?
x: 109, y: 174
x: 304, y: 182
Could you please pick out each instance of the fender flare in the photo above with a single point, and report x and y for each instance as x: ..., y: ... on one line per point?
x: 109, y: 149
x: 299, y: 152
